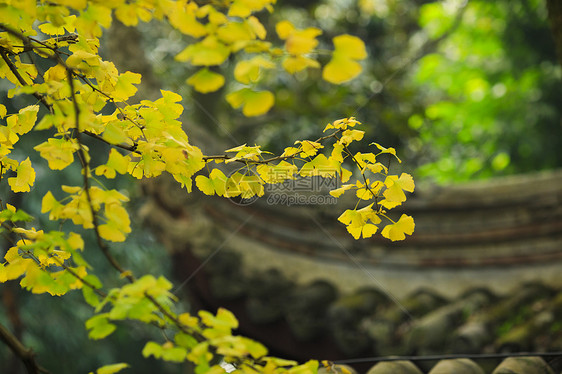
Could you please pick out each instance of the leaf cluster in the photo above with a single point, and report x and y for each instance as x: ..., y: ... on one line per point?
x: 84, y: 96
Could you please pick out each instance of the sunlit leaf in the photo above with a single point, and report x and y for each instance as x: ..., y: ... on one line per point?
x: 252, y: 103
x: 344, y: 66
x: 113, y: 368
x: 206, y: 81
x: 25, y: 177
x: 398, y: 231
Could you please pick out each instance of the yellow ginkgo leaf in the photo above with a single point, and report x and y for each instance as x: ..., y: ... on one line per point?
x: 23, y: 122
x: 365, y: 194
x: 390, y: 150
x: 309, y: 148
x: 127, y: 14
x: 294, y: 64
x: 395, y: 187
x: 319, y: 166
x: 340, y: 191
x: 302, y: 41
x: 116, y: 163
x: 350, y: 46
x: 118, y: 218
x: 284, y: 29
x: 248, y: 71
x: 205, y: 81
x: 205, y: 185
x: 341, y: 69
x: 110, y: 232
x: 257, y: 27
x: 278, y: 173
x: 253, y: 103
x: 216, y: 183
x: 243, y: 8
x: 184, y: 20
x: 344, y: 66
x: 369, y: 230
x: 210, y: 51
x: 56, y: 73
x: 233, y: 32
x: 357, y: 221
x: 349, y: 136
x: 399, y: 230
x: 49, y: 202
x: 124, y: 88
x: 24, y: 178
x: 297, y: 42
x: 112, y: 369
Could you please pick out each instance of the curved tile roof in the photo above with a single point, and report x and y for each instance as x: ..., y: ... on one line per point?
x: 481, y: 274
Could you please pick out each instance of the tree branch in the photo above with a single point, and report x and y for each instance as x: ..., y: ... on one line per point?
x: 26, y: 355
x: 15, y: 71
x: 85, y: 171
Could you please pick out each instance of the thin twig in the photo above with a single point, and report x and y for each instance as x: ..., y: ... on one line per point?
x: 15, y: 71
x: 130, y: 148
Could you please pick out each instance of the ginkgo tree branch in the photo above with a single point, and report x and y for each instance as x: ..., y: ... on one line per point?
x: 271, y: 159
x: 26, y: 355
x: 29, y: 47
x: 15, y: 71
x: 152, y: 131
x: 85, y: 171
x: 101, y: 243
x: 367, y: 187
x: 130, y: 148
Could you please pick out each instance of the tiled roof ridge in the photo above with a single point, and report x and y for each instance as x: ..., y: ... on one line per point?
x: 366, y: 321
x: 248, y: 250
x: 519, y: 233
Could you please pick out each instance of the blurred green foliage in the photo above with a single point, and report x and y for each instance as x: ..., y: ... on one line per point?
x: 493, y: 92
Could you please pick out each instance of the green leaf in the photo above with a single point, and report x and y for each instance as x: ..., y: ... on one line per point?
x: 99, y: 327
x: 310, y: 367
x: 185, y: 340
x: 174, y: 354
x: 90, y: 296
x: 152, y: 349
x: 14, y: 215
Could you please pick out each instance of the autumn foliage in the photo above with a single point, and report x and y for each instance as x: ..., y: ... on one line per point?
x: 51, y: 50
